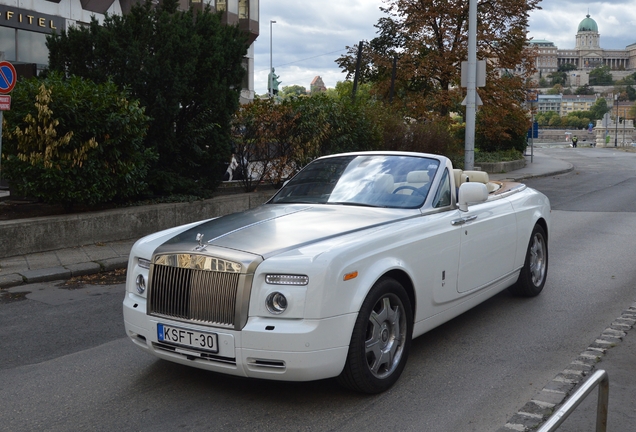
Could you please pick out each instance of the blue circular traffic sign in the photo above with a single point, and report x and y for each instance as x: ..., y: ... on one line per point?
x: 7, y: 77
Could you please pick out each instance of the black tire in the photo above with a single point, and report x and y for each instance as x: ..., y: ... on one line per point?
x: 380, y: 341
x: 535, y: 268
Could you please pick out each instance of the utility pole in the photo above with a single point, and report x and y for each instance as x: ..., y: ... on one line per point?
x: 616, y: 131
x: 471, y: 87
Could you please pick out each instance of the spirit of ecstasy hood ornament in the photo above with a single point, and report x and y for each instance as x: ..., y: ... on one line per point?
x: 201, y: 246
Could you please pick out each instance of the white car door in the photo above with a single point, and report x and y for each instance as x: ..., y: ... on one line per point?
x: 488, y: 244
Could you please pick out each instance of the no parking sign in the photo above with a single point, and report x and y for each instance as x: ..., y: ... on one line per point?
x: 7, y: 77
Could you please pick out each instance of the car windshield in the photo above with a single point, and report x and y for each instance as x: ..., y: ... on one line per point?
x: 395, y: 181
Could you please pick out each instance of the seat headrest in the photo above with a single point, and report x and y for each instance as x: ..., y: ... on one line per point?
x: 383, y: 183
x: 417, y: 177
x: 476, y: 176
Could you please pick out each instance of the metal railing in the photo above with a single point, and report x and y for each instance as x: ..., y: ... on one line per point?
x: 599, y: 378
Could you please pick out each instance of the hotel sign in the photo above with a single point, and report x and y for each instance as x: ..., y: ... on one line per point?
x: 24, y: 19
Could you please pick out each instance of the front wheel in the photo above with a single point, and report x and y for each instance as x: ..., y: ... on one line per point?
x: 380, y: 341
x: 535, y: 269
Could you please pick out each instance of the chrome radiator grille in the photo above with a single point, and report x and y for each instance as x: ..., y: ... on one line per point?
x: 194, y: 288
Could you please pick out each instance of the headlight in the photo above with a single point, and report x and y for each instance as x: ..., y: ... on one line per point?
x: 140, y: 282
x: 283, y: 279
x: 276, y: 303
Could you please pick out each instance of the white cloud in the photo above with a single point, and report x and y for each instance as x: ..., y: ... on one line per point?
x: 310, y: 35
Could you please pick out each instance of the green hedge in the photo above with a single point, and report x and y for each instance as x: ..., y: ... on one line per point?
x: 72, y: 142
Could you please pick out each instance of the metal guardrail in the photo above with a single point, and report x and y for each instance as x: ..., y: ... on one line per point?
x: 599, y: 378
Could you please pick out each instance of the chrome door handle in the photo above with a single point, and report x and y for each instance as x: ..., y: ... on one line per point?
x: 462, y: 221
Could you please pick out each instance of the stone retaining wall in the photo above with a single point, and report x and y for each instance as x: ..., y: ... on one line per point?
x: 501, y: 167
x: 27, y: 236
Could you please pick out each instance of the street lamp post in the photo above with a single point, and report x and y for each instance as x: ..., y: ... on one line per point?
x: 271, y: 66
x: 616, y: 131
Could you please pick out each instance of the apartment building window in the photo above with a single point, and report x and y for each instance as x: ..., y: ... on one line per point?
x: 32, y: 47
x: 7, y: 43
x: 24, y: 46
x: 254, y: 10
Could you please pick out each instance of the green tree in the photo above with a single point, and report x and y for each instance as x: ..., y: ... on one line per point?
x: 585, y: 90
x: 59, y: 154
x: 184, y: 67
x: 566, y: 67
x: 601, y: 76
x: 555, y: 121
x: 599, y: 108
x: 293, y: 90
x: 557, y: 78
x: 544, y: 118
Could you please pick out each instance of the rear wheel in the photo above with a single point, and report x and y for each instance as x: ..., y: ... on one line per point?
x: 381, y: 339
x: 535, y: 269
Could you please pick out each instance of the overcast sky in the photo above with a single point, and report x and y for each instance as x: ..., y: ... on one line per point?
x: 309, y: 35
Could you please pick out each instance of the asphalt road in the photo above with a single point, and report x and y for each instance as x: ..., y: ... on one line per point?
x: 65, y: 364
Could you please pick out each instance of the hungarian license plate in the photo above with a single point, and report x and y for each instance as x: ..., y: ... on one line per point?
x: 187, y: 338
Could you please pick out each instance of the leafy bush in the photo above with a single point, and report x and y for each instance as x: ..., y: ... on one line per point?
x: 74, y: 142
x: 272, y: 140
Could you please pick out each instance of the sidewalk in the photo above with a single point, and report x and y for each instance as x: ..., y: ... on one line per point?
x: 64, y: 263
x: 619, y: 361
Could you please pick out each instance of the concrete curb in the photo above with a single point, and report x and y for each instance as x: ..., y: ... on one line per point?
x: 522, y: 176
x: 11, y: 280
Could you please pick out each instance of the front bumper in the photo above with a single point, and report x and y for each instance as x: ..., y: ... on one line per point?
x: 268, y: 348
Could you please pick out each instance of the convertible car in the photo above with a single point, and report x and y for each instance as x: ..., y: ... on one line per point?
x: 332, y: 277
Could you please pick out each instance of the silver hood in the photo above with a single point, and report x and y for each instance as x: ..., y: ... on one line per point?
x: 274, y: 228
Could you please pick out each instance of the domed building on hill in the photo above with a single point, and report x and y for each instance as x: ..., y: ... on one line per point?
x: 586, y: 55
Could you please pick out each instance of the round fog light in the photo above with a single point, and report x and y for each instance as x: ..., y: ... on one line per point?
x: 141, y: 284
x: 276, y: 303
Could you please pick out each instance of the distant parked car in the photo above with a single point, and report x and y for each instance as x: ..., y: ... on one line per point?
x: 335, y: 274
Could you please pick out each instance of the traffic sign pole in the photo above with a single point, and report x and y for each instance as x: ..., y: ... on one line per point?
x: 8, y: 78
x: 1, y: 121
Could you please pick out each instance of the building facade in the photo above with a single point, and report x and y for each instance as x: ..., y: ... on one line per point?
x: 586, y: 55
x: 24, y: 25
x: 565, y: 104
x: 571, y: 103
x: 547, y: 103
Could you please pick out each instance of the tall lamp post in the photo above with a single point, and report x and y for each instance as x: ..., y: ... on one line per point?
x: 616, y: 132
x: 271, y: 66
